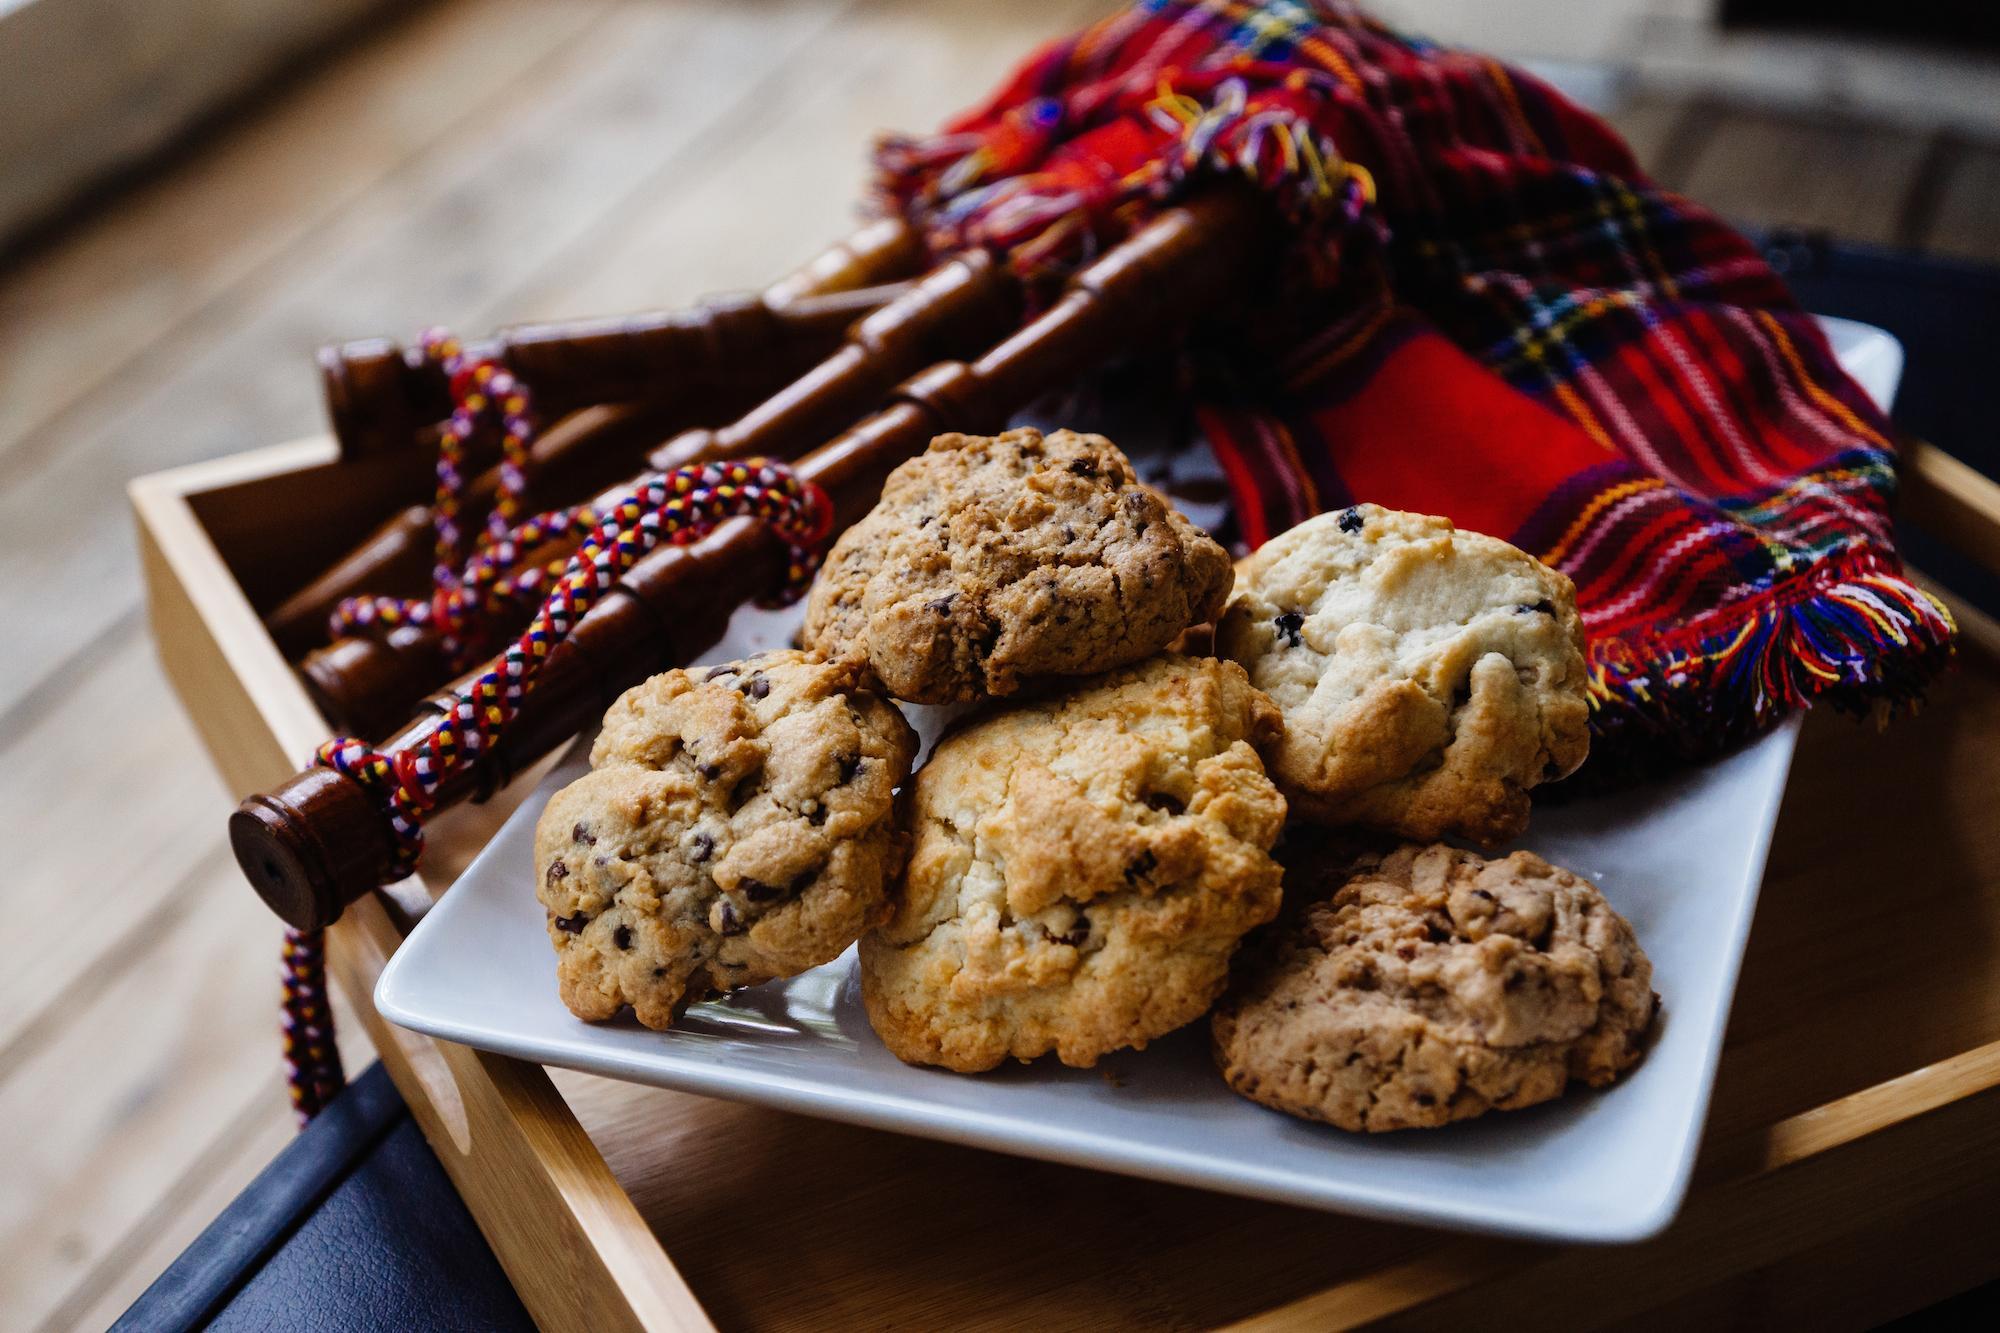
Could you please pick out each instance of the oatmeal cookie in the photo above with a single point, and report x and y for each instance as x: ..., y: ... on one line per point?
x: 990, y: 561
x: 737, y: 825
x: 1428, y: 676
x: 1434, y: 986
x: 1082, y: 871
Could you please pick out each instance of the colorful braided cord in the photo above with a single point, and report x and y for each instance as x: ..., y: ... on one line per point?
x: 312, y: 1060
x: 671, y: 508
x: 462, y: 604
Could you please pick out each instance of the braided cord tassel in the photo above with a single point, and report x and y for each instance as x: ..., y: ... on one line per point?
x: 482, y: 392
x: 675, y: 508
x: 312, y: 1060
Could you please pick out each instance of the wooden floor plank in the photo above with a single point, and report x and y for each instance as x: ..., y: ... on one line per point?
x: 1764, y: 169
x: 791, y: 176
x: 208, y: 1178
x: 113, y: 767
x: 158, y: 1052
x: 443, y: 240
x: 134, y: 277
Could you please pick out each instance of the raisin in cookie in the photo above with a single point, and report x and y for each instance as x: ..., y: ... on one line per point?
x: 1428, y: 676
x: 737, y: 825
x: 1082, y: 871
x: 993, y: 560
x: 1434, y: 986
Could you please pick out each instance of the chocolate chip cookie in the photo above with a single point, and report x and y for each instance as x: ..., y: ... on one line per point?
x: 1434, y: 986
x: 1428, y: 676
x: 994, y: 560
x: 1083, y: 869
x: 737, y: 825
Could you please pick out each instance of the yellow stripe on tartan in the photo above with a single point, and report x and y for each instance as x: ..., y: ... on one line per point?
x: 1534, y: 343
x: 1820, y: 396
x: 1580, y: 412
x: 1534, y: 350
x: 1505, y: 83
x: 1323, y: 51
x: 1630, y: 202
x: 1598, y: 504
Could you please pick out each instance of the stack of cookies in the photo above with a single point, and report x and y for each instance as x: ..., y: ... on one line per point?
x: 1076, y: 867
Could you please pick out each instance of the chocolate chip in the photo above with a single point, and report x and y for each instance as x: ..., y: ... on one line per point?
x: 848, y: 765
x: 717, y: 673
x: 925, y: 521
x: 622, y: 937
x: 730, y: 923
x: 1167, y: 801
x: 1083, y: 467
x: 573, y: 924
x: 1289, y: 624
x: 581, y: 833
x: 940, y: 607
x: 756, y: 687
x: 1543, y: 607
x: 757, y: 891
x: 1436, y: 933
x: 1351, y: 520
x: 815, y: 814
x: 1513, y: 982
x: 709, y: 772
x: 1069, y: 533
x: 1077, y: 935
x: 557, y: 870
x: 1135, y: 503
x: 1483, y: 894
x: 659, y: 971
x: 1141, y: 866
x: 801, y: 882
x: 699, y: 848
x: 1425, y: 1099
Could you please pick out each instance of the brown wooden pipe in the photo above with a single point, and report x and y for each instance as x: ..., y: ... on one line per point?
x: 368, y: 683
x: 317, y: 843
x: 382, y: 396
x: 583, y: 453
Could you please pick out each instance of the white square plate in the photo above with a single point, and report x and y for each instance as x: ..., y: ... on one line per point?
x: 1682, y: 859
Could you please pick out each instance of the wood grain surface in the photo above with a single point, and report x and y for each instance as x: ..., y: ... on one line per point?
x: 485, y: 161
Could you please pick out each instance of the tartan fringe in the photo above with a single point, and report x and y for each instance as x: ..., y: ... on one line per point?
x: 1849, y: 631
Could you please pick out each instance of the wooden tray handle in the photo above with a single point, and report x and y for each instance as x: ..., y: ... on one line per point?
x: 1954, y: 502
x: 318, y: 842
x: 382, y: 396
x: 367, y: 684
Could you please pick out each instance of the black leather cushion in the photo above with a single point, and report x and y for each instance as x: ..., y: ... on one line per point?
x: 354, y: 1226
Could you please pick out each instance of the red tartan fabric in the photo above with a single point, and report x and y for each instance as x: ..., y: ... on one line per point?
x: 1490, y: 313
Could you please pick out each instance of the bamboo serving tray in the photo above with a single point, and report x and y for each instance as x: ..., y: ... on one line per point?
x: 1850, y: 1171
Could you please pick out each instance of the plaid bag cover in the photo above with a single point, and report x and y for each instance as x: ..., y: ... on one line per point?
x: 1489, y: 313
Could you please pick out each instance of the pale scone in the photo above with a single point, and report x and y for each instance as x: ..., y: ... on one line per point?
x: 1428, y: 676
x: 991, y: 561
x: 737, y: 825
x: 1082, y: 870
x: 1435, y: 986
